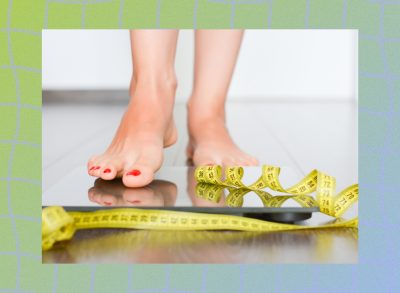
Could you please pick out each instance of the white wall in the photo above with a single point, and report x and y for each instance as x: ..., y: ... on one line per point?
x: 282, y: 64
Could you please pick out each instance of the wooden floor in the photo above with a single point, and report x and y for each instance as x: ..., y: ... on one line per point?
x: 300, y: 134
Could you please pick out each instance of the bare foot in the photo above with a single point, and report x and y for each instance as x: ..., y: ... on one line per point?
x: 147, y: 126
x: 210, y: 142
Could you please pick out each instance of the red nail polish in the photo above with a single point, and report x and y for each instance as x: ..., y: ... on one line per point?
x: 107, y: 171
x: 134, y: 173
x: 97, y: 168
x: 91, y: 168
x: 107, y: 203
x: 134, y: 201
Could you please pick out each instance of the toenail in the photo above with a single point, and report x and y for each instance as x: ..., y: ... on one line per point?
x: 92, y: 168
x: 97, y: 168
x: 107, y: 171
x: 134, y: 173
x: 134, y: 201
x: 107, y: 203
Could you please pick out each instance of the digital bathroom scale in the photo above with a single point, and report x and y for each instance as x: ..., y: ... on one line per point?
x: 174, y: 188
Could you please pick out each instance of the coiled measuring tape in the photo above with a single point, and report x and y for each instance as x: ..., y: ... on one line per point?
x: 59, y: 225
x: 316, y: 181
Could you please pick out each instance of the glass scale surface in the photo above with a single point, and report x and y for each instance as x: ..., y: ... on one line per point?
x: 174, y: 188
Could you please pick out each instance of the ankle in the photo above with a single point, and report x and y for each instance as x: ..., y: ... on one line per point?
x: 204, y: 120
x: 199, y: 112
x: 161, y: 84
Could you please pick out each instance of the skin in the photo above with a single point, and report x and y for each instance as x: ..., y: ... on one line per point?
x: 216, y: 52
x: 136, y: 152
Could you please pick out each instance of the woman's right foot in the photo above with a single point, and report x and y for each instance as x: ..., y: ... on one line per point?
x: 147, y: 126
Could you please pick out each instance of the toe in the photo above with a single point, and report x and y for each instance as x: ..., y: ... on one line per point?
x: 138, y: 175
x: 95, y: 170
x: 91, y: 167
x: 207, y: 161
x: 244, y: 163
x: 108, y: 172
x: 246, y: 160
x: 240, y: 162
x: 229, y: 162
x: 252, y: 161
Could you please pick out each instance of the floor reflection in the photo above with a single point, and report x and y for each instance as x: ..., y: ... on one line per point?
x: 157, y: 193
x: 115, y: 193
x: 116, y: 246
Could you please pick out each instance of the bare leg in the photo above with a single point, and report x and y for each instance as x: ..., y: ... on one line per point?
x: 215, y: 59
x: 147, y: 126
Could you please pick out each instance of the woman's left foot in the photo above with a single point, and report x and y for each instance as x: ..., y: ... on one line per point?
x: 210, y: 142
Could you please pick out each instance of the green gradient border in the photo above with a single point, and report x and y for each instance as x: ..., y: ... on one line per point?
x: 21, y: 22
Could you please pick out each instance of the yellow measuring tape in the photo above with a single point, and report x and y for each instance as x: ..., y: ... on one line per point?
x: 59, y: 225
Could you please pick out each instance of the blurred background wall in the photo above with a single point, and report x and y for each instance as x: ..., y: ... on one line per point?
x: 273, y: 64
